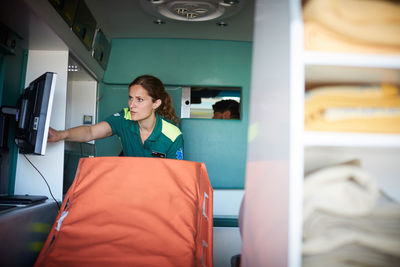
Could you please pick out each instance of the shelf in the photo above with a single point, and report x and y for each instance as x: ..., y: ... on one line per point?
x: 328, y: 67
x: 329, y: 139
x: 351, y: 60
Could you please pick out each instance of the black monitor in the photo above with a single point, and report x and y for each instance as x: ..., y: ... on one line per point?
x: 33, y: 115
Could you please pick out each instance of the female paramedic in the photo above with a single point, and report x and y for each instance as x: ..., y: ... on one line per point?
x: 144, y: 127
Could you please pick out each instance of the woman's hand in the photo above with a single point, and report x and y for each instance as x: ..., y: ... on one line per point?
x: 54, y: 135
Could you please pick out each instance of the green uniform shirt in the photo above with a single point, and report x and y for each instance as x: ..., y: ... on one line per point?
x: 166, y: 140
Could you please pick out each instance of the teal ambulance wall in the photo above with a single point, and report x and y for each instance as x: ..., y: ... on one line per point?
x: 220, y: 144
x: 12, y: 81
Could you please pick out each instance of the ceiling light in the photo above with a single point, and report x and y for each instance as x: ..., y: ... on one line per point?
x: 73, y: 68
x: 222, y: 23
x: 192, y: 10
x: 229, y: 2
x: 159, y: 21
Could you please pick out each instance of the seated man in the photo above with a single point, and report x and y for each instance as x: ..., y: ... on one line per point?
x: 226, y: 110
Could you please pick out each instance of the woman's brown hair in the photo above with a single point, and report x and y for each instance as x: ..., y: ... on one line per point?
x: 155, y: 88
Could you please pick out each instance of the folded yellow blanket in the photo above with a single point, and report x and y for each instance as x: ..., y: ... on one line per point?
x: 368, y: 21
x: 381, y: 91
x: 387, y: 125
x: 318, y: 99
x: 319, y: 38
x: 374, y: 109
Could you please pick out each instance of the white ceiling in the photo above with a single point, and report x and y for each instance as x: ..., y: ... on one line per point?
x: 128, y: 19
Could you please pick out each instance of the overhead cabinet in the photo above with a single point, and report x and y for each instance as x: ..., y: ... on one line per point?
x: 84, y: 25
x: 8, y: 40
x: 101, y: 49
x: 67, y: 9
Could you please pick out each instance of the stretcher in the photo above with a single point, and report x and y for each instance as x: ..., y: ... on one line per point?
x: 125, y: 211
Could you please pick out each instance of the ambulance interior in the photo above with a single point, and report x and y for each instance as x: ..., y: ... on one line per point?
x: 268, y: 55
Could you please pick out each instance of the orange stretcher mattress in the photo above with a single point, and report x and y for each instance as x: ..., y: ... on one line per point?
x: 125, y: 211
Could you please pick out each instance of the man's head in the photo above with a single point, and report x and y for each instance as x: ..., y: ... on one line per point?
x: 226, y: 109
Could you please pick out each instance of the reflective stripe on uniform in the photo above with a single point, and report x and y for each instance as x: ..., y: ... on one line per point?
x: 170, y: 130
x: 127, y: 115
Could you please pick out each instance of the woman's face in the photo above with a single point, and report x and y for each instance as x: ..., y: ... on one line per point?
x: 141, y: 105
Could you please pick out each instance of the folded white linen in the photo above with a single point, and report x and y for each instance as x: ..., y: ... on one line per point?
x: 341, y: 190
x: 351, y: 255
x: 379, y: 230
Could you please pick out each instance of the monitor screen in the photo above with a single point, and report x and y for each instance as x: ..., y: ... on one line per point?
x: 33, y: 117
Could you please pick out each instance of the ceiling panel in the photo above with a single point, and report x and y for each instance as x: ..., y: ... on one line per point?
x: 128, y: 19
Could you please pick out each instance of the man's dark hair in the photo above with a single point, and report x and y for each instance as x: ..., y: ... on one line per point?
x: 231, y: 105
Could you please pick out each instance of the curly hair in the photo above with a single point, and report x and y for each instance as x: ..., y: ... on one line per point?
x: 156, y: 90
